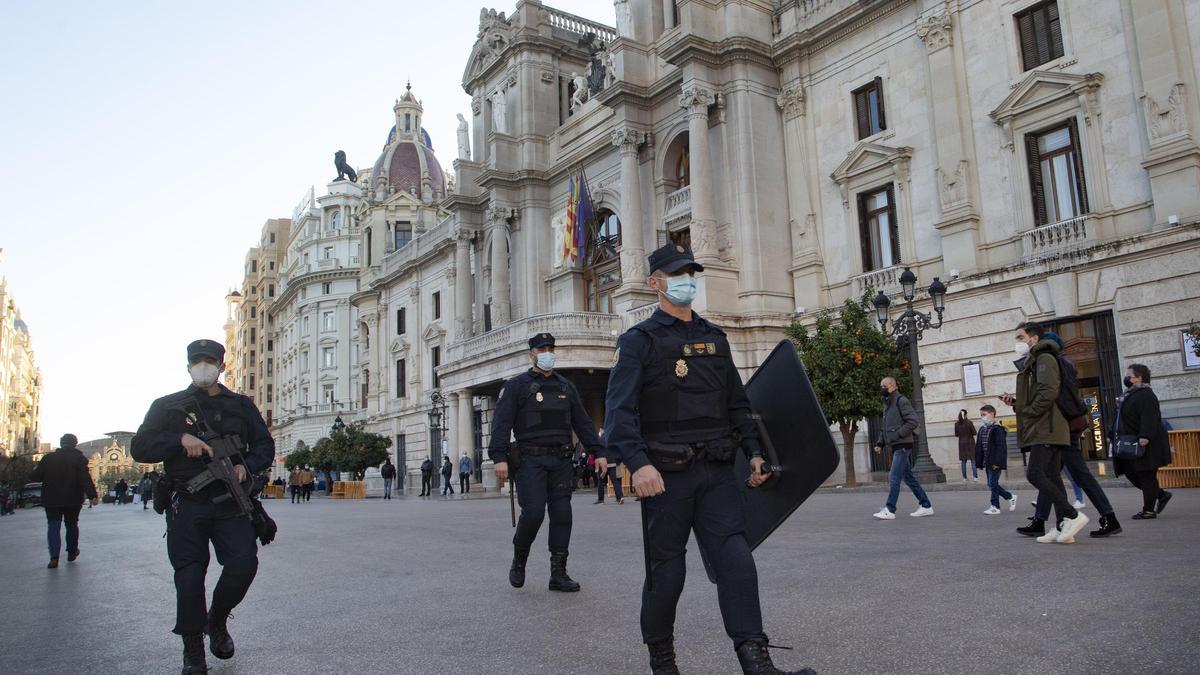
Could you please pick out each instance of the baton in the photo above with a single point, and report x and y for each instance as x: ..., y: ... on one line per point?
x: 512, y: 500
x: 646, y: 544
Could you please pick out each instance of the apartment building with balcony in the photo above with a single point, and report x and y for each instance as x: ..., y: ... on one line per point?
x: 20, y: 382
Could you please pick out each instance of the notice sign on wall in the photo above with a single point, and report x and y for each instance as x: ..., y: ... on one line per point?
x: 972, y: 375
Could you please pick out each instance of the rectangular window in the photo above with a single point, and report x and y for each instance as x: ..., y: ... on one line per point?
x: 401, y: 379
x: 270, y: 345
x: 327, y: 321
x: 437, y: 305
x: 304, y: 363
x: 253, y: 266
x: 304, y: 326
x: 270, y: 367
x: 327, y: 393
x: 271, y: 265
x: 879, y: 232
x: 868, y: 109
x: 327, y: 288
x: 435, y: 360
x: 401, y: 322
x: 403, y: 234
x: 487, y: 317
x: 303, y: 292
x: 1056, y: 180
x: 251, y: 380
x: 272, y: 237
x: 1040, y: 33
x: 328, y: 252
x: 271, y: 290
x: 253, y: 312
x: 327, y: 357
x: 253, y: 334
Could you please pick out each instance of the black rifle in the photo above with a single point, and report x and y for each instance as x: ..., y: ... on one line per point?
x: 221, y: 468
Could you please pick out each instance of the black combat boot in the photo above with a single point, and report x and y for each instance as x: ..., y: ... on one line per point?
x: 1108, y: 526
x: 516, y: 573
x: 193, y: 655
x: 662, y: 658
x: 559, y: 581
x: 220, y: 642
x: 1036, y: 528
x: 755, y: 660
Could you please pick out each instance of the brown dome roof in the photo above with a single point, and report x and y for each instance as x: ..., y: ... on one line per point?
x: 406, y: 160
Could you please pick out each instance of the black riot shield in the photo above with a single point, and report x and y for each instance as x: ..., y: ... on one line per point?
x: 795, y: 438
x: 796, y: 444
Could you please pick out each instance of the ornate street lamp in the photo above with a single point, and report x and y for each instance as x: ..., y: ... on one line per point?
x: 437, y: 427
x: 338, y: 424
x: 908, y: 329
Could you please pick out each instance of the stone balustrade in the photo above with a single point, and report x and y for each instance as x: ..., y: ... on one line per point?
x: 579, y: 25
x: 420, y: 246
x: 678, y: 207
x: 886, y: 280
x: 565, y: 326
x: 1055, y: 240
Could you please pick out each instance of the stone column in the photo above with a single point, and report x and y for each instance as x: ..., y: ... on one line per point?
x: 668, y: 9
x: 453, y: 434
x: 498, y: 229
x: 696, y: 100
x: 465, y: 421
x: 633, y: 255
x: 959, y: 223
x: 1167, y: 80
x: 808, y: 273
x: 462, y: 284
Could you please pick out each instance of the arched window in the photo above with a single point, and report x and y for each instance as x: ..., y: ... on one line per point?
x: 683, y: 168
x: 602, y: 271
x: 335, y: 219
x: 369, y: 247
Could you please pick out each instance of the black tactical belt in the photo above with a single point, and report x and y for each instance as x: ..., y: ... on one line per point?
x: 529, y: 450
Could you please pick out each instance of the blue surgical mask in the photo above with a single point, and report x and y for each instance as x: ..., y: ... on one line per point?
x: 545, y: 360
x: 681, y: 290
x: 986, y: 420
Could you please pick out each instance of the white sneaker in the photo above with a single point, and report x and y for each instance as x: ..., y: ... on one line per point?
x: 1079, y: 504
x: 922, y: 511
x: 1071, y: 527
x: 1051, y: 536
x: 991, y: 511
x: 884, y: 514
x: 1012, y: 503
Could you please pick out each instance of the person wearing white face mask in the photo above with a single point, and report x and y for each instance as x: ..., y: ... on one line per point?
x: 541, y: 408
x: 991, y: 452
x: 171, y: 434
x: 1041, y: 427
x: 676, y: 412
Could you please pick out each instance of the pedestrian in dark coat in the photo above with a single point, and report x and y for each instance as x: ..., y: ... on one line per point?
x: 966, y: 445
x: 426, y: 478
x: 447, y: 471
x: 1140, y: 417
x: 65, y: 482
x: 991, y: 452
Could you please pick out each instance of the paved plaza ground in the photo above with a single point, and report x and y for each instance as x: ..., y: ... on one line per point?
x: 419, y: 586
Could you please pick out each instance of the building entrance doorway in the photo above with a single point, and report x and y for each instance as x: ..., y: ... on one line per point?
x: 1090, y: 344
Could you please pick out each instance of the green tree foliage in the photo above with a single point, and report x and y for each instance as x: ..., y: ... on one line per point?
x: 845, y: 360
x: 14, y: 471
x: 355, y: 450
x: 109, y: 478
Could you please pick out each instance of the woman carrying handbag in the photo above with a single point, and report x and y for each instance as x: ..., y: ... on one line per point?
x: 1140, y: 442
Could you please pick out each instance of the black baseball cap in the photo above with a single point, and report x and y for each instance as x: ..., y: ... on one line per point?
x: 541, y: 340
x: 672, y: 258
x: 210, y: 348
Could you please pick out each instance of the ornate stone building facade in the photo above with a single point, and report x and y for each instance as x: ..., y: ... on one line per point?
x: 20, y: 382
x: 253, y: 350
x: 1039, y: 157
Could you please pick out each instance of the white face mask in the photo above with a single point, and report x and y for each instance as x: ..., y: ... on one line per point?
x: 985, y: 420
x: 1021, y: 348
x: 204, y: 375
x: 546, y: 360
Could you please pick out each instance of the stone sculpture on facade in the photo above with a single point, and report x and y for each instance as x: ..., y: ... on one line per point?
x: 595, y: 49
x: 580, y: 96
x: 344, y: 170
x: 1169, y: 119
x: 499, y: 103
x: 464, y: 141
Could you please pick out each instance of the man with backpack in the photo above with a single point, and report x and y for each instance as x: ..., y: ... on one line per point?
x: 1078, y: 420
x: 1041, y: 426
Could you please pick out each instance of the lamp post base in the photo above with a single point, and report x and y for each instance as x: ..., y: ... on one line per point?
x: 927, y: 471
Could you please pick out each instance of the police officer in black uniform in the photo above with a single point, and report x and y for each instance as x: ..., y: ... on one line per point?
x: 169, y: 435
x: 541, y: 407
x: 675, y: 413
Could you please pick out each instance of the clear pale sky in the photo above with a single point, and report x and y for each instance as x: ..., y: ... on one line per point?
x: 145, y: 143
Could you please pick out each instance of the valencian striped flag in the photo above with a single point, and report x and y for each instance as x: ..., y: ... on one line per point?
x: 579, y: 214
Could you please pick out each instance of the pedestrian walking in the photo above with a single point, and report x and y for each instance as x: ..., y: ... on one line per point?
x: 464, y: 473
x: 898, y: 434
x: 66, y: 482
x: 1141, y: 441
x: 676, y: 412
x: 388, y: 473
x: 1041, y: 426
x: 121, y: 488
x: 1073, y: 466
x: 308, y: 481
x: 965, y: 431
x: 541, y: 408
x: 194, y: 520
x: 426, y: 478
x: 146, y: 489
x: 294, y: 484
x: 589, y: 469
x: 991, y: 452
x: 447, y: 472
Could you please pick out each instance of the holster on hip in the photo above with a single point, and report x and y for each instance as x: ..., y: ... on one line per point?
x: 670, y: 457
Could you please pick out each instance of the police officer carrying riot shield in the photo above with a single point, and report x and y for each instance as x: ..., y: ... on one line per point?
x: 541, y: 408
x: 675, y: 413
x: 171, y: 434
